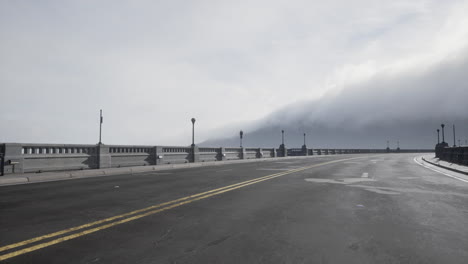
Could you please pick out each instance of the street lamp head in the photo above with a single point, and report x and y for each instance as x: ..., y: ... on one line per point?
x: 282, y: 131
x: 193, y: 120
x: 438, y: 130
x: 443, y: 125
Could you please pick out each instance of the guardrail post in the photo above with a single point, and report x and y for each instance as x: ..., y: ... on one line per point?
x: 103, y: 157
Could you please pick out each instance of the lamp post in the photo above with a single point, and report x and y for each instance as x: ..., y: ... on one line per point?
x: 304, y: 139
x: 459, y: 144
x: 443, y: 133
x: 241, y: 134
x: 100, y: 127
x: 454, y: 145
x: 282, y: 137
x: 193, y: 132
x: 438, y: 137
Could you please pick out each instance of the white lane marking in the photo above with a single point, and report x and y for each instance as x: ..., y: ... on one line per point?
x: 408, y: 178
x: 380, y: 191
x: 224, y: 170
x: 272, y: 169
x: 365, y: 175
x: 446, y: 174
x: 345, y: 181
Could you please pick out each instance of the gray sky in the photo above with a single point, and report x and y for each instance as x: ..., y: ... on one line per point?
x: 152, y: 65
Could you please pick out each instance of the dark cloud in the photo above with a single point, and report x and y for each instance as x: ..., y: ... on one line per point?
x: 406, y: 107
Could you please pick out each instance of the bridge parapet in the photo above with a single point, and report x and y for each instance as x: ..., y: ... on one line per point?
x: 28, y: 157
x: 458, y: 155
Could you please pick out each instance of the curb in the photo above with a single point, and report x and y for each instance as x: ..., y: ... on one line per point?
x: 81, y: 174
x: 444, y: 167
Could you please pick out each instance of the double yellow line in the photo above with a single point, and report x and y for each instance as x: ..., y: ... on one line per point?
x: 137, y: 214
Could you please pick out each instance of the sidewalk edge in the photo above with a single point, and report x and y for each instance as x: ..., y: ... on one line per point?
x: 444, y: 167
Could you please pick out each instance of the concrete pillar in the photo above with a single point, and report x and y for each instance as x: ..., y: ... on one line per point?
x: 243, y: 155
x: 103, y: 157
x: 259, y: 153
x: 195, y: 154
x: 158, y: 155
x: 222, y: 153
x: 305, y: 151
x: 283, y: 150
x: 13, y: 152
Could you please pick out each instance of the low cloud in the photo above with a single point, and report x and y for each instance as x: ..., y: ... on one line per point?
x: 403, y: 106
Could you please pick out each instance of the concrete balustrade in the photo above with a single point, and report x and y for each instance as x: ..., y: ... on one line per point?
x: 458, y: 155
x: 25, y: 158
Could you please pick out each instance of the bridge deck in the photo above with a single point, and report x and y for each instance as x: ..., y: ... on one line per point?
x: 334, y: 209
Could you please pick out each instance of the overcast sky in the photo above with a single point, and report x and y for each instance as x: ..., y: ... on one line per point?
x: 153, y: 65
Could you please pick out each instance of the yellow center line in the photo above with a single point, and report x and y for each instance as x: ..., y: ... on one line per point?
x: 58, y: 233
x: 169, y: 205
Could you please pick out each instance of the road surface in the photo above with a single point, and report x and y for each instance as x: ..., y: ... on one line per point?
x: 330, y: 209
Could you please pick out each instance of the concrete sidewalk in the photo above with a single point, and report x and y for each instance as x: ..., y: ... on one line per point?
x: 445, y: 165
x: 26, y: 178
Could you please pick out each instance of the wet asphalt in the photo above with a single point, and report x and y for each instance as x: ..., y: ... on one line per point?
x: 358, y: 209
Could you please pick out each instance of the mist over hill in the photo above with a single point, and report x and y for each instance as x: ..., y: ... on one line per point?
x: 396, y: 105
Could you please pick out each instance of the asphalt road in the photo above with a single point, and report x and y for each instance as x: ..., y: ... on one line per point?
x: 328, y: 209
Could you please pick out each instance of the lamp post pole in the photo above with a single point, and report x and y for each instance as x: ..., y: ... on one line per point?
x: 282, y: 137
x: 304, y: 139
x: 443, y: 133
x: 193, y: 132
x: 241, y: 134
x: 100, y: 127
x: 454, y: 144
x: 438, y: 137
